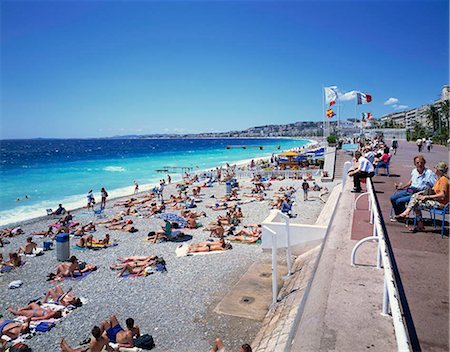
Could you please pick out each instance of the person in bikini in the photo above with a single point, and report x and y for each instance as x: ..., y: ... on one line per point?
x: 36, y: 312
x: 63, y: 298
x: 220, y: 245
x: 87, y: 241
x: 47, y: 233
x: 13, y: 329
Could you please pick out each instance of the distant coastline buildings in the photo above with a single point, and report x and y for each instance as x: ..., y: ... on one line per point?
x: 407, y: 119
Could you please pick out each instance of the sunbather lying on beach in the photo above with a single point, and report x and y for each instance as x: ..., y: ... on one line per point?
x: 99, y: 343
x: 220, y: 245
x: 14, y: 260
x: 258, y: 196
x: 113, y: 220
x: 47, y: 233
x: 36, y: 312
x: 63, y: 298
x: 87, y: 241
x: 135, y: 258
x: 11, y: 232
x: 13, y: 329
x: 123, y: 227
x: 72, y: 268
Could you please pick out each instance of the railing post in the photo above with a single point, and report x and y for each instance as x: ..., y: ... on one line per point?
x: 385, y: 299
x: 274, y: 265
x: 288, y: 243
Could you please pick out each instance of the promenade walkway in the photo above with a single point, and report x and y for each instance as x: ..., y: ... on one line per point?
x: 422, y: 258
x: 343, y: 308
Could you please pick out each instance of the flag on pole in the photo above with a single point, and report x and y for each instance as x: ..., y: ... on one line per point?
x: 362, y: 98
x: 332, y: 103
x: 330, y: 113
x: 330, y: 94
x: 367, y: 115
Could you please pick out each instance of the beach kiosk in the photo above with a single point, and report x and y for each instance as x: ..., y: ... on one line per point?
x: 289, y: 160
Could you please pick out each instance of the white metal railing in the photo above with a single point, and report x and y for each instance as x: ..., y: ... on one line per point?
x: 390, y: 292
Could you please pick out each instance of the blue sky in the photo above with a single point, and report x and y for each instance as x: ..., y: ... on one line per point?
x: 103, y: 68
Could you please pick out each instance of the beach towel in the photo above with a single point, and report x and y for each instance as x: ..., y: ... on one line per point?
x: 7, y: 268
x: 95, y: 246
x: 182, y: 251
x: 172, y: 217
x: 76, y: 278
x: 124, y: 349
x: 36, y: 253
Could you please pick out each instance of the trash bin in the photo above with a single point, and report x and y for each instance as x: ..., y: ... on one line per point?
x: 228, y: 187
x: 62, y: 247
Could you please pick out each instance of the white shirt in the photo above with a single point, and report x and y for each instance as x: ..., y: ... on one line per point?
x: 365, y: 165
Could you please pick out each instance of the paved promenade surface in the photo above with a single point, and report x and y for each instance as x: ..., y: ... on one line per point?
x: 422, y: 258
x: 343, y: 309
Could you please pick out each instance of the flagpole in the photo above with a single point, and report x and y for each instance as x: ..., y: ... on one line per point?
x: 339, y: 115
x: 323, y: 111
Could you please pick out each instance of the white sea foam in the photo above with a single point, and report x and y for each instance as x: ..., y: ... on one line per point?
x: 114, y: 169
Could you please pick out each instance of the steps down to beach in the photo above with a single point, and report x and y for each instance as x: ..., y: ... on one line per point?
x: 341, y: 157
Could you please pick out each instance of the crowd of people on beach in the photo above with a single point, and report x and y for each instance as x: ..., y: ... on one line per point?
x: 179, y: 214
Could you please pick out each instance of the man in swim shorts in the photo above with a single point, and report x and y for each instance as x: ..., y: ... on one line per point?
x: 116, y: 334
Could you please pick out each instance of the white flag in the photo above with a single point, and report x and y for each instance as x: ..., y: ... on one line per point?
x: 330, y: 94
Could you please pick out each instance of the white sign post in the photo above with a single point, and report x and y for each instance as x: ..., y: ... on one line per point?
x: 274, y: 265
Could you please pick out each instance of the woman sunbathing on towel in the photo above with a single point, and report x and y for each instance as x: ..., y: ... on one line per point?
x: 48, y: 233
x: 138, y: 271
x: 13, y: 329
x: 220, y: 245
x: 123, y: 227
x: 68, y: 269
x: 36, y: 312
x: 89, y: 241
x: 14, y: 260
x: 135, y: 258
x: 113, y: 220
x: 63, y: 298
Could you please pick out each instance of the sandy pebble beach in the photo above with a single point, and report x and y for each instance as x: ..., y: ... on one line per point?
x: 175, y: 307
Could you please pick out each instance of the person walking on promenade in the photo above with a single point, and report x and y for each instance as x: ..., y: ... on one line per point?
x: 394, y: 145
x: 365, y: 169
x: 104, y: 196
x: 419, y: 144
x: 305, y: 187
x: 429, y: 144
x: 421, y: 179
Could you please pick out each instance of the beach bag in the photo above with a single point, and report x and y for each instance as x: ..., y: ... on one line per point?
x: 145, y: 342
x: 44, y: 326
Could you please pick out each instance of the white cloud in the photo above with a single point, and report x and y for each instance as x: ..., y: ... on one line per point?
x: 400, y: 107
x: 391, y: 101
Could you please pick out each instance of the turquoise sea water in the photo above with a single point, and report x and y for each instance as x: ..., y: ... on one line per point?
x: 43, y: 173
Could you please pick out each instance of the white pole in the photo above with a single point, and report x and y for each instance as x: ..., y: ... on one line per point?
x: 274, y: 266
x: 288, y: 242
